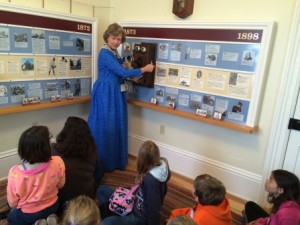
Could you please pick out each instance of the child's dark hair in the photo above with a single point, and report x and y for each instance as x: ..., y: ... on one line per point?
x: 34, y: 145
x: 148, y: 157
x: 209, y: 190
x: 75, y: 140
x: 114, y: 30
x: 290, y: 184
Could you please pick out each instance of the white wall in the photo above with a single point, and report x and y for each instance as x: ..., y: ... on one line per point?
x: 192, y: 147
x: 236, y: 158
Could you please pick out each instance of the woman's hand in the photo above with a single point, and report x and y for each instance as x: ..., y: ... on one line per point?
x: 126, y: 65
x: 148, y: 68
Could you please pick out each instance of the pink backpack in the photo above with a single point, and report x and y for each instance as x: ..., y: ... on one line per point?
x: 122, y: 200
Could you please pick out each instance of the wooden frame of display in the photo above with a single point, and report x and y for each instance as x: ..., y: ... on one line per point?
x: 43, y: 105
x: 232, y: 126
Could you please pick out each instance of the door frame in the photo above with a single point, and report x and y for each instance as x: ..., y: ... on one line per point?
x: 286, y: 104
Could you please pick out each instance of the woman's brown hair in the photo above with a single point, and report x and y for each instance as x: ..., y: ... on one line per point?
x: 114, y: 30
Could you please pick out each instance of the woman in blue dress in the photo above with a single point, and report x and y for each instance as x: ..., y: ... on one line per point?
x: 108, y: 113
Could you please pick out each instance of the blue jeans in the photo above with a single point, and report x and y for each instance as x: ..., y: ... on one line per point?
x: 103, y: 194
x: 17, y: 217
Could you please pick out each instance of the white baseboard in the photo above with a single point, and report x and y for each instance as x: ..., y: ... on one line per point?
x: 240, y: 183
x: 7, y: 160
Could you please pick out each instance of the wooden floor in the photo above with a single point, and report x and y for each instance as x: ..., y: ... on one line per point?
x: 237, y: 205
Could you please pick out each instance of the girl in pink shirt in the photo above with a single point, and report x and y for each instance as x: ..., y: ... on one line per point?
x: 33, y: 185
x: 284, y: 195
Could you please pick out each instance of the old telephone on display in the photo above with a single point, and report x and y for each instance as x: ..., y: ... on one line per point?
x: 143, y: 54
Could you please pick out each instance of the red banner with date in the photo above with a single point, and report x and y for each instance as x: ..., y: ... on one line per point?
x: 227, y: 35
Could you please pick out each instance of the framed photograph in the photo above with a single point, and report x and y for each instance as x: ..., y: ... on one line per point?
x: 171, y: 104
x: 217, y: 116
x: 153, y: 101
x: 53, y: 98
x: 70, y: 96
x: 201, y: 112
x: 24, y: 101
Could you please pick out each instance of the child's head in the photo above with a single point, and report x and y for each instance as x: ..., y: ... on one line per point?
x: 75, y: 140
x: 209, y: 190
x: 148, y: 157
x: 181, y: 220
x: 282, y: 186
x: 81, y: 210
x: 34, y: 145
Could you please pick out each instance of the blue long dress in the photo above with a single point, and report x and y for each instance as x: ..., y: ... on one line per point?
x: 108, y: 113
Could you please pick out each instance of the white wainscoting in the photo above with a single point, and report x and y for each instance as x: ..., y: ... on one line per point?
x: 7, y: 160
x: 238, y: 182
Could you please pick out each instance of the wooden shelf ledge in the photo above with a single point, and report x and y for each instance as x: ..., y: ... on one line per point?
x: 222, y: 123
x: 43, y: 105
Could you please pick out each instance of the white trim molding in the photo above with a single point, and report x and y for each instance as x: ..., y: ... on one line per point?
x: 7, y: 160
x: 287, y: 99
x: 190, y: 165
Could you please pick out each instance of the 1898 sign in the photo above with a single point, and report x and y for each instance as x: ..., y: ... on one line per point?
x: 248, y: 36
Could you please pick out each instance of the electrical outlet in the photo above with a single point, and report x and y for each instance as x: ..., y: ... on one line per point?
x: 162, y: 129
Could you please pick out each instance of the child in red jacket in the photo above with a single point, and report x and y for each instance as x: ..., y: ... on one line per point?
x: 212, y: 208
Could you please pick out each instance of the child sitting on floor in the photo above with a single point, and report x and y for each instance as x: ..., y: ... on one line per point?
x: 212, y: 208
x: 153, y: 174
x: 33, y: 185
x: 76, y: 146
x: 284, y: 195
x: 82, y: 210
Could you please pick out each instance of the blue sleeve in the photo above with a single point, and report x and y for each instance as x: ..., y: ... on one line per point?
x: 109, y: 60
x: 153, y: 200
